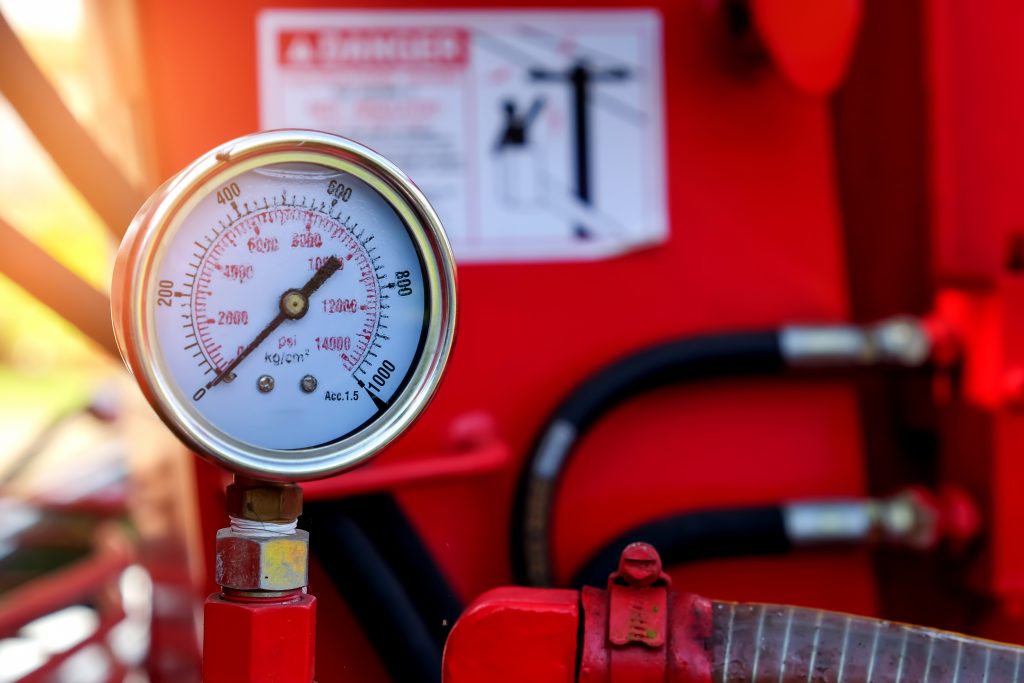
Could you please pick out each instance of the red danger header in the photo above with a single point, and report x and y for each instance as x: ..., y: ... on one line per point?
x: 374, y: 47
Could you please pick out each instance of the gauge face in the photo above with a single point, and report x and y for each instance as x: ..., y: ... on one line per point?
x: 287, y: 307
x: 296, y: 307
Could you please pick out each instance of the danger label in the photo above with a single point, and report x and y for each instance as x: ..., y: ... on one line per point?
x: 370, y: 47
x: 536, y: 136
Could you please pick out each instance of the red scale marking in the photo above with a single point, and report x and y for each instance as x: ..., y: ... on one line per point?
x: 234, y: 239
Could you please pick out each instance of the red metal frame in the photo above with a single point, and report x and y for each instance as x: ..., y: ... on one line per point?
x: 43, y: 596
x: 99, y: 637
x: 94, y: 579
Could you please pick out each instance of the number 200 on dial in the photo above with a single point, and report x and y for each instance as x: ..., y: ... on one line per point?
x: 286, y: 303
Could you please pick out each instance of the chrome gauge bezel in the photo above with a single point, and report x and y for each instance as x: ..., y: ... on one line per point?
x: 134, y: 313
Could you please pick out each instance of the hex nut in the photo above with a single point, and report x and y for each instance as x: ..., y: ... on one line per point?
x: 264, y: 501
x: 250, y: 561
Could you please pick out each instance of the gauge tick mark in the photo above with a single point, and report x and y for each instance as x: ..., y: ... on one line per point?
x: 380, y: 403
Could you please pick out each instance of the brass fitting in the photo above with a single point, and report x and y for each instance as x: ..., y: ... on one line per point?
x: 262, y: 550
x: 262, y: 501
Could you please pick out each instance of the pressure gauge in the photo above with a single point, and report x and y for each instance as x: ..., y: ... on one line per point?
x: 286, y: 303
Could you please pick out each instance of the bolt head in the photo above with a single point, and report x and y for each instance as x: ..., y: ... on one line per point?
x: 265, y: 384
x: 639, y: 564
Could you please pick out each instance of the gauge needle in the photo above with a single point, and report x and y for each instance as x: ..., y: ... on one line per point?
x: 294, y: 304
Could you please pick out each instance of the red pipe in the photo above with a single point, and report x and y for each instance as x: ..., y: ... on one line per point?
x: 45, y: 673
x: 429, y: 471
x: 60, y: 589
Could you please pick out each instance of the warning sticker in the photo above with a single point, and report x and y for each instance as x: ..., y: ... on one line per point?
x: 535, y: 135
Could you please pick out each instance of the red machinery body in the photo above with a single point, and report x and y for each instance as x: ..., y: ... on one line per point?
x: 756, y: 239
x: 639, y: 630
x: 976, y: 142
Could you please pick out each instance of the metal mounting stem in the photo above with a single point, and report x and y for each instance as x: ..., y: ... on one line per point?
x: 261, y: 565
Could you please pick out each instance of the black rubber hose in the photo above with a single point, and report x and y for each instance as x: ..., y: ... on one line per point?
x: 696, y: 535
x: 374, y: 593
x: 718, y: 355
x: 396, y: 539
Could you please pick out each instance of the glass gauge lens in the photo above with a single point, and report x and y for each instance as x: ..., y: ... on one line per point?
x: 296, y: 308
x: 287, y: 303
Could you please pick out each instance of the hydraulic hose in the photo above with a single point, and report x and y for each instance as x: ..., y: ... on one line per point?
x: 756, y: 643
x: 900, y: 341
x: 915, y: 518
x: 697, y: 535
x: 746, y: 353
x: 385, y: 523
x: 380, y: 567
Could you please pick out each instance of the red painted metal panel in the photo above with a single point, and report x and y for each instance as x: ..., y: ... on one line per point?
x: 977, y: 106
x: 755, y: 241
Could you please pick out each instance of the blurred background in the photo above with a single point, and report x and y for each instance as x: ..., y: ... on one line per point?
x: 66, y: 402
x: 48, y: 368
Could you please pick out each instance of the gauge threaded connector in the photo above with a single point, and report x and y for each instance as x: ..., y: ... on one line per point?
x: 260, y: 501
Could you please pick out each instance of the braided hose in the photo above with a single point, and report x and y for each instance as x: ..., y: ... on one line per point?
x: 757, y: 643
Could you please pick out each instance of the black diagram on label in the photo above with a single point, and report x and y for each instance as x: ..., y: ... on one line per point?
x: 581, y: 96
x: 516, y: 160
x: 581, y: 78
x: 517, y: 125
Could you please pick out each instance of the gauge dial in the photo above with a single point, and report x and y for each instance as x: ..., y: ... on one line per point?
x: 286, y: 303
